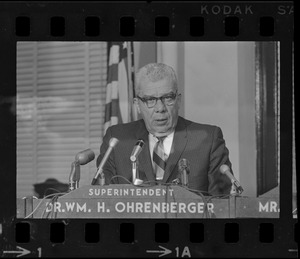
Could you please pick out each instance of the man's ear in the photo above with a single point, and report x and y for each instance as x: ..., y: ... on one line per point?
x: 179, y: 100
x: 136, y: 104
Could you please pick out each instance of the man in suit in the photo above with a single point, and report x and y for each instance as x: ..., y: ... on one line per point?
x: 168, y: 138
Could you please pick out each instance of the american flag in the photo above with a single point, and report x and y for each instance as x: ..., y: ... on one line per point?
x: 120, y: 84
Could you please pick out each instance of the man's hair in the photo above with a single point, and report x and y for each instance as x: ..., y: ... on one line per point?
x: 154, y: 72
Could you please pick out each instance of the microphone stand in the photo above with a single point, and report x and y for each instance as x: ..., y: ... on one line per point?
x: 235, y: 189
x: 100, y: 180
x: 74, y: 176
x: 184, y: 177
x: 135, y: 173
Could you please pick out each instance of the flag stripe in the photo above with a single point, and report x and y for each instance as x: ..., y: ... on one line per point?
x: 114, y: 55
x: 111, y: 109
x: 123, y: 92
x: 113, y: 73
x: 112, y: 91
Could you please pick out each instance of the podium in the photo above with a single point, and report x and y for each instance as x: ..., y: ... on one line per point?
x: 159, y: 201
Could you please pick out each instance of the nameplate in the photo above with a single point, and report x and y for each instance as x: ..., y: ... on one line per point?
x: 128, y: 201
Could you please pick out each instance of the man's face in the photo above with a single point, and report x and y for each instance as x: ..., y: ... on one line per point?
x: 161, y: 119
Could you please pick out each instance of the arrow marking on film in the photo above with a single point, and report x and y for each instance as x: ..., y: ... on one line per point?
x: 163, y: 252
x: 20, y: 253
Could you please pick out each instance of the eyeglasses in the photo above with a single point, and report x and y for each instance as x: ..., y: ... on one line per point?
x: 168, y: 99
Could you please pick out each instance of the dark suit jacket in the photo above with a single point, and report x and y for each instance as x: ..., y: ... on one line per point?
x: 202, y: 145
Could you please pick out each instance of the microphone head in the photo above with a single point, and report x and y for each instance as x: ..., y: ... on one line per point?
x: 137, y: 150
x: 183, y: 164
x: 85, y: 156
x: 140, y: 143
x: 113, y: 142
x: 224, y: 168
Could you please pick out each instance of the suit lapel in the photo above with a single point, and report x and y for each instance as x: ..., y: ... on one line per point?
x: 178, y: 146
x: 145, y: 164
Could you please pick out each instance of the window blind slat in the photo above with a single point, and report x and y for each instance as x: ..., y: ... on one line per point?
x: 59, y: 92
x: 60, y: 62
x: 60, y: 75
x: 75, y: 78
x: 58, y: 68
x: 53, y: 109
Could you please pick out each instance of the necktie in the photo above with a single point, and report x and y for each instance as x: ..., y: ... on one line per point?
x: 159, y: 159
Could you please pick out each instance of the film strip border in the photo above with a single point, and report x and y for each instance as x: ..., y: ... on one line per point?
x: 151, y: 21
x: 139, y: 237
x: 127, y: 26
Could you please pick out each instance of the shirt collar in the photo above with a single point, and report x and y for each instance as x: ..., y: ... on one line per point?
x: 166, y: 137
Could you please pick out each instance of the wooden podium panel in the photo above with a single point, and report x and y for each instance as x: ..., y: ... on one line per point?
x: 129, y: 201
x: 262, y: 207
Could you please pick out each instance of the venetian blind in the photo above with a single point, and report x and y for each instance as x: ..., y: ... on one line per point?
x: 60, y: 109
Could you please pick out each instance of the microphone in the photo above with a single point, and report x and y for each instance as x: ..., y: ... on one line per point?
x: 176, y: 181
x: 184, y: 169
x: 81, y: 158
x: 112, y: 143
x: 85, y: 156
x: 133, y: 157
x: 137, y: 150
x: 224, y: 169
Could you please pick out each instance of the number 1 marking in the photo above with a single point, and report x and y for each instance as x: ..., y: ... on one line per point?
x: 40, y: 252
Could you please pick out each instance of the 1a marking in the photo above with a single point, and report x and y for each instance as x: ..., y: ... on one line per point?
x: 18, y: 252
x: 185, y: 253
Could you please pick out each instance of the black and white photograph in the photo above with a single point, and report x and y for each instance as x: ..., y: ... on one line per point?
x: 152, y: 129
